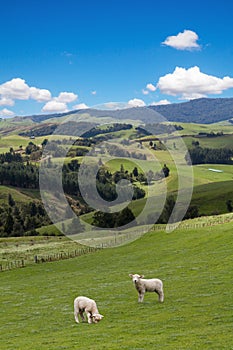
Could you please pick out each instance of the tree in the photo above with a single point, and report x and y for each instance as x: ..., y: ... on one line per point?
x: 150, y: 176
x: 135, y: 172
x: 229, y: 205
x: 9, y: 223
x: 11, y: 201
x: 166, y: 170
x: 125, y: 217
x: 75, y: 227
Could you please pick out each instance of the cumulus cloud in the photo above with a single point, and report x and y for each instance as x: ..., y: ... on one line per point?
x: 59, y: 104
x: 66, y: 97
x: 6, y: 113
x: 136, y: 103
x: 80, y: 106
x: 40, y: 95
x: 18, y: 89
x: 161, y: 102
x: 192, y: 83
x: 151, y: 87
x: 94, y: 92
x: 4, y: 101
x: 187, y: 40
x: 15, y: 89
x: 55, y: 107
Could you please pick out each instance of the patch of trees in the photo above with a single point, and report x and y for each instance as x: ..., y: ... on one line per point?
x: 115, y: 151
x: 113, y: 220
x: 191, y: 213
x: 108, y: 129
x: 21, y: 219
x: 210, y: 134
x: 40, y: 131
x: 142, y: 132
x: 159, y: 128
x: 199, y: 155
x: 69, y: 128
x: 19, y: 174
x: 10, y: 157
x: 106, y: 182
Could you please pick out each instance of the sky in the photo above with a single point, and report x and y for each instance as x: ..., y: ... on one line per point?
x: 65, y: 55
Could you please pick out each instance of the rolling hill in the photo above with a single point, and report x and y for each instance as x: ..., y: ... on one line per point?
x: 195, y: 265
x: 202, y: 110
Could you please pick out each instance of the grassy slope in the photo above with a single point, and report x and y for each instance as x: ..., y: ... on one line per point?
x: 19, y: 196
x: 195, y: 265
x: 25, y: 248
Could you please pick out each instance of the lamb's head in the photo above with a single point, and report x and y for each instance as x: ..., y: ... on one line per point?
x: 135, y: 278
x: 97, y: 318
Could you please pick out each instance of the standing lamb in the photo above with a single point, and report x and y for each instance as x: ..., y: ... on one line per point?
x: 84, y: 304
x: 147, y: 285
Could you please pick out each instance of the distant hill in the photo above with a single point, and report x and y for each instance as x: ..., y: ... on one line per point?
x: 202, y: 110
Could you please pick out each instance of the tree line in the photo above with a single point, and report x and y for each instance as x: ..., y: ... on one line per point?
x: 199, y: 155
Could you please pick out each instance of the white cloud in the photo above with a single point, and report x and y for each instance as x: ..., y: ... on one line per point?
x: 192, y: 83
x: 151, y: 87
x: 145, y: 92
x: 6, y: 113
x: 136, y: 103
x: 94, y: 92
x: 80, y: 106
x: 40, y: 95
x: 18, y: 89
x: 55, y: 107
x: 161, y: 102
x: 66, y: 97
x: 4, y: 101
x: 187, y: 40
x: 15, y: 89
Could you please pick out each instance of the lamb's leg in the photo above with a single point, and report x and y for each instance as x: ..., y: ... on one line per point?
x: 140, y: 297
x: 160, y: 294
x: 82, y: 316
x: 89, y: 317
x: 76, y: 312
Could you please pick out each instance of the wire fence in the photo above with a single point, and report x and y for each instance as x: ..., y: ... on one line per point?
x: 38, y: 259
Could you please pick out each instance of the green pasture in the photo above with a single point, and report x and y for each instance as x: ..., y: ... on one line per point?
x: 225, y: 141
x: 25, y: 248
x: 193, y: 128
x: 18, y: 195
x: 15, y: 141
x: 194, y: 264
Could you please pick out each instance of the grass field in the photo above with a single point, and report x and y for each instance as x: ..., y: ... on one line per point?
x: 25, y: 248
x: 18, y: 195
x: 195, y: 265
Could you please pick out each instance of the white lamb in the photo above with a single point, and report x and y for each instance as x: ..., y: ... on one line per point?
x: 147, y: 285
x: 84, y: 304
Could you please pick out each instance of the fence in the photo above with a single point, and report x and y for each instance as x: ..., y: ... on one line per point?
x: 9, y: 265
x: 5, y: 266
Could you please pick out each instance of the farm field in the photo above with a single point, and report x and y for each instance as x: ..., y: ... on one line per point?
x: 195, y: 265
x: 26, y: 248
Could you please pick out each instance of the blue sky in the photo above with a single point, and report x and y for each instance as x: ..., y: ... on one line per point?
x: 58, y: 56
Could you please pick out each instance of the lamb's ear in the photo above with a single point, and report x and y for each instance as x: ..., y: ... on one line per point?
x: 141, y: 276
x: 130, y: 275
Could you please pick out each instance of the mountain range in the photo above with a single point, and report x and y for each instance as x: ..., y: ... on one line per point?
x: 202, y: 110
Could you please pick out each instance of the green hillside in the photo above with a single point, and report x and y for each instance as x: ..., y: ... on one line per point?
x: 195, y: 265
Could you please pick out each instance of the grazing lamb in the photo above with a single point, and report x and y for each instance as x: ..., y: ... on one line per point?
x: 147, y: 285
x: 84, y: 304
